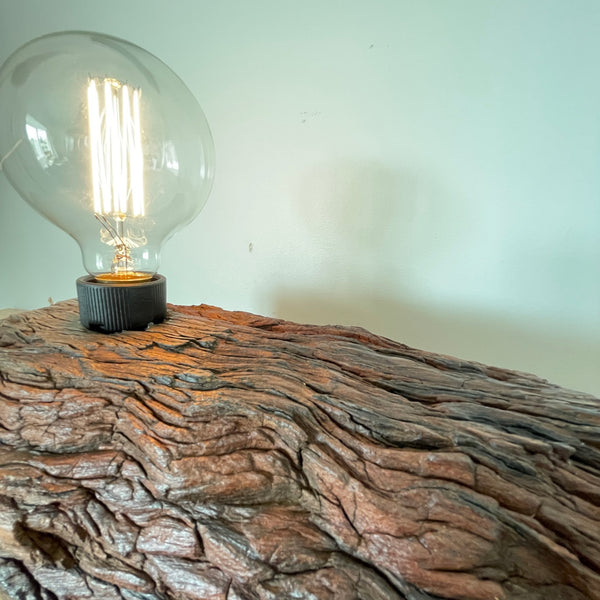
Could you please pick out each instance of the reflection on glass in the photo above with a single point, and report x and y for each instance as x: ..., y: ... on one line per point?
x: 41, y: 145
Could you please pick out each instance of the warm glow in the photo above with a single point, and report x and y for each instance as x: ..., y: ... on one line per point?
x: 123, y: 276
x: 115, y: 148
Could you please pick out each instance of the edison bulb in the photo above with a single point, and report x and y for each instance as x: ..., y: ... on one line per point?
x: 108, y: 143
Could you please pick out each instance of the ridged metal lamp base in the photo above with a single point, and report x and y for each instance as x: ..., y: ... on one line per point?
x: 121, y: 306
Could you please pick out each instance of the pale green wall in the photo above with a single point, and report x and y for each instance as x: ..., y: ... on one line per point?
x: 429, y: 170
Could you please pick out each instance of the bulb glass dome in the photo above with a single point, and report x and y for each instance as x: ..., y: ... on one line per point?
x: 104, y: 140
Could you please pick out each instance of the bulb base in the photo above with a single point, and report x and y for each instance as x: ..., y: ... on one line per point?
x: 112, y: 307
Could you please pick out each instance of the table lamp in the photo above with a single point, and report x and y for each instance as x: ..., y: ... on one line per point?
x: 105, y: 141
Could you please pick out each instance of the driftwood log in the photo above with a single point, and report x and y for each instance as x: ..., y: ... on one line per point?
x: 229, y: 456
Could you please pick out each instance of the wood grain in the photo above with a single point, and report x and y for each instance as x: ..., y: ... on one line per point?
x: 226, y: 455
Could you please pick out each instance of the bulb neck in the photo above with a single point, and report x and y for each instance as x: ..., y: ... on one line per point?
x: 118, y: 306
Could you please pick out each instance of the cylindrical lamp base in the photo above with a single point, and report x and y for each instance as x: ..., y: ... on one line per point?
x: 111, y: 307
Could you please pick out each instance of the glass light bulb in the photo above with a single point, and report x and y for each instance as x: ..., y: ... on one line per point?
x: 104, y: 140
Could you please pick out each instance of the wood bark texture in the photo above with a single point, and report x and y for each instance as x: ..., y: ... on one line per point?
x: 225, y: 455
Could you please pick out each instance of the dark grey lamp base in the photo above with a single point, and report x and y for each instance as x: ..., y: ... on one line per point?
x: 111, y: 307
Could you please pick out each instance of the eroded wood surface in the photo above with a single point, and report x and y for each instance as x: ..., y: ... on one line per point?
x: 229, y: 456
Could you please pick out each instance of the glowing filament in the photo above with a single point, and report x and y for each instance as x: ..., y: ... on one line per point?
x: 116, y: 148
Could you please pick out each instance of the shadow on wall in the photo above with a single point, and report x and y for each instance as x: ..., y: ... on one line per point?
x: 385, y: 241
x: 372, y: 222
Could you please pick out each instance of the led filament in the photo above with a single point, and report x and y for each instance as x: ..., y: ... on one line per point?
x: 117, y: 170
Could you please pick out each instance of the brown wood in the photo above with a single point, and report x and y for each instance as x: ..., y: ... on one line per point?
x: 229, y: 456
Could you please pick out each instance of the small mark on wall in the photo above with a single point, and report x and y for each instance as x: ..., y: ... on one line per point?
x: 250, y: 247
x: 378, y: 47
x: 306, y: 115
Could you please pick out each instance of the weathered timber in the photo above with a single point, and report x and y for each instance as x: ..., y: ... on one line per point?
x: 229, y: 456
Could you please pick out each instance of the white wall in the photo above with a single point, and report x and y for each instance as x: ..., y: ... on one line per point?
x: 429, y: 170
